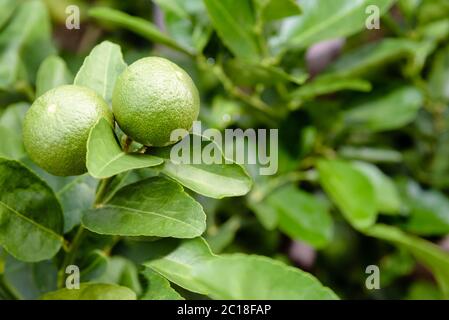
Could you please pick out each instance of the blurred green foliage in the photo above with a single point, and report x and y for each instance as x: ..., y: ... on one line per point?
x: 364, y: 141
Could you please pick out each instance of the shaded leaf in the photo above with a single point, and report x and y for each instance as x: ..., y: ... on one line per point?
x: 7, y: 8
x: 302, y: 216
x: 11, y: 127
x: 328, y: 84
x: 439, y: 76
x: 138, y: 25
x: 28, y: 29
x: 158, y: 287
x: 233, y: 20
x: 428, y: 210
x: 30, y: 215
x: 371, y: 57
x: 278, y: 9
x: 76, y: 195
x: 30, y: 280
x: 426, y: 252
x: 93, y: 265
x: 52, y: 73
x: 350, y: 190
x: 387, y: 112
x: 121, y: 271
x: 387, y: 196
x: 323, y: 20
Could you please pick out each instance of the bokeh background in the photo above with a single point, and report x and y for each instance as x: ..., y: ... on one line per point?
x: 375, y: 98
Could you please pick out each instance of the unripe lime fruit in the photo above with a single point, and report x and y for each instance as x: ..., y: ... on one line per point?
x: 57, y: 126
x: 153, y: 97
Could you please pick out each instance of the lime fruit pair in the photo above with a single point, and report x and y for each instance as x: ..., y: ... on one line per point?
x: 151, y: 98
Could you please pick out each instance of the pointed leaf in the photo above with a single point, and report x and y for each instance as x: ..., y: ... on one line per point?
x: 138, y: 25
x: 387, y: 196
x: 323, y: 20
x: 101, y: 68
x: 350, y: 190
x: 192, y: 265
x: 212, y: 180
x: 387, y: 112
x: 233, y: 20
x: 105, y: 158
x: 158, y: 288
x: 244, y: 277
x: 302, y: 216
x: 152, y: 207
x: 52, y: 73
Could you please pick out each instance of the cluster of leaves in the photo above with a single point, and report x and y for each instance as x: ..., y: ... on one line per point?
x: 362, y: 158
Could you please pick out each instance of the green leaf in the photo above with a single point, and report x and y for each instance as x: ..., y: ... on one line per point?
x: 244, y: 73
x: 428, y: 210
x: 426, y: 252
x: 350, y: 190
x: 158, y: 288
x: 371, y: 57
x: 387, y: 196
x: 92, y: 291
x: 233, y: 20
x: 221, y: 237
x: 371, y: 154
x: 140, y: 26
x: 121, y: 271
x: 52, y: 73
x: 7, y: 8
x: 387, y: 112
x: 243, y: 277
x: 323, y: 85
x: 93, y: 265
x: 302, y: 216
x: 101, y: 68
x: 192, y: 266
x: 267, y: 215
x: 152, y: 207
x: 211, y: 180
x: 30, y: 280
x: 178, y: 265
x: 30, y: 215
x: 105, y: 158
x: 278, y: 9
x: 323, y: 20
x: 76, y: 195
x: 11, y: 127
x: 439, y: 76
x: 28, y: 29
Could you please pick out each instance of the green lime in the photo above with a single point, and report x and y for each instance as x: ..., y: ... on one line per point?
x: 153, y: 97
x: 57, y: 126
